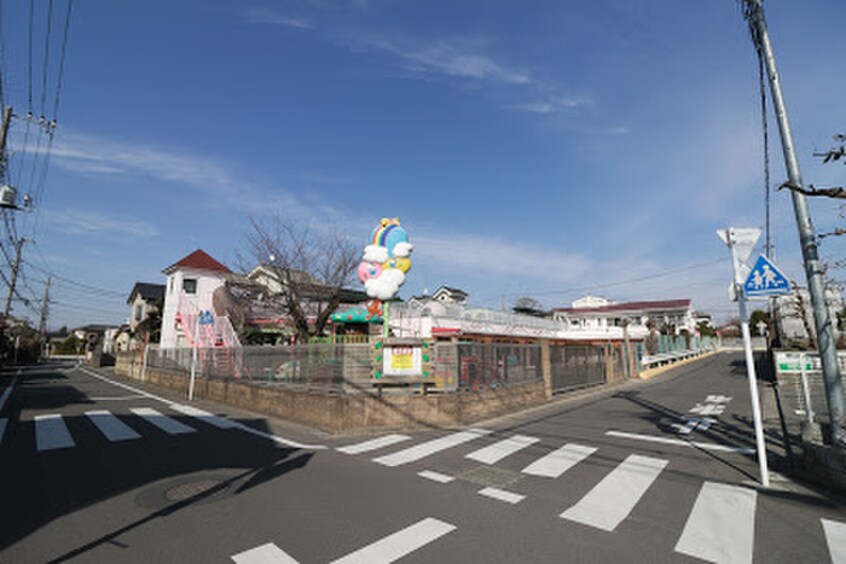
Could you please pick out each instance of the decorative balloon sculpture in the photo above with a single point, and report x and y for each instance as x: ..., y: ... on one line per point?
x: 385, y: 262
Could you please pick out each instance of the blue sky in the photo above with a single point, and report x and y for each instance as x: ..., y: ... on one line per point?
x: 551, y: 149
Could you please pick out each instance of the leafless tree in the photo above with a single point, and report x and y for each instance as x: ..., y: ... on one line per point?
x: 311, y: 265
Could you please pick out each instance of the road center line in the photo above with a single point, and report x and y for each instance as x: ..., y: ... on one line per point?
x: 679, y: 442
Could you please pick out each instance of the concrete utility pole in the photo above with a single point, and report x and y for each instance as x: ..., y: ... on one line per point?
x: 42, y: 323
x: 13, y: 281
x: 754, y: 13
x: 4, y: 132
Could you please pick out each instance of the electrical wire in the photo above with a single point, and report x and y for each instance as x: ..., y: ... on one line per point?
x: 74, y: 282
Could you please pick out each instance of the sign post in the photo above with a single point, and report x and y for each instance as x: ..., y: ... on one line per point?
x: 734, y: 237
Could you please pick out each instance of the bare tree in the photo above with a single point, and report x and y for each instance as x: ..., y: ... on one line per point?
x: 528, y: 305
x: 312, y: 267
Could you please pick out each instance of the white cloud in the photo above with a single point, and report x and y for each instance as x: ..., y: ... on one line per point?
x: 262, y: 16
x: 456, y: 58
x: 221, y: 184
x: 84, y: 222
x: 556, y: 104
x: 386, y: 285
x: 476, y: 254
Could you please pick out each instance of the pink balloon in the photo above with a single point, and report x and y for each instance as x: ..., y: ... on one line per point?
x: 368, y: 270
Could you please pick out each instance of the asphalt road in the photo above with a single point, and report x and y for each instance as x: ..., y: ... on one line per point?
x: 660, y: 471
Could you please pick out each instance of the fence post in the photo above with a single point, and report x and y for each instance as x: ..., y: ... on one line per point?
x: 546, y: 368
x: 144, y: 363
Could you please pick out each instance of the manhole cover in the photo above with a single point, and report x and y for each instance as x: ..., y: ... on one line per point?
x: 490, y: 477
x: 191, y: 489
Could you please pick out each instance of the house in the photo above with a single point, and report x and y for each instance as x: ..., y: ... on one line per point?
x: 189, y: 316
x: 142, y: 302
x: 265, y: 310
x: 591, y: 312
x: 450, y: 295
x: 794, y: 314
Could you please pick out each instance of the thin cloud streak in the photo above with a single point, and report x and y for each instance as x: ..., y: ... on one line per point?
x: 260, y: 16
x: 84, y: 222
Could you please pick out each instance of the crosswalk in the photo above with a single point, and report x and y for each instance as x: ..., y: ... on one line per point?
x: 382, y: 551
x: 52, y: 431
x: 720, y: 526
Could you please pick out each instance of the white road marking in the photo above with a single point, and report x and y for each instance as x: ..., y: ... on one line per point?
x: 679, y: 442
x: 7, y: 392
x: 3, y: 422
x: 497, y: 451
x: 163, y: 422
x: 423, y: 450
x: 435, y: 476
x: 373, y: 444
x: 51, y: 432
x: 612, y: 499
x: 721, y: 525
x: 235, y: 424
x: 558, y: 461
x: 399, y: 544
x: 111, y: 426
x: 124, y: 386
x: 211, y: 419
x: 718, y: 399
x: 117, y: 398
x: 708, y: 409
x: 265, y: 554
x: 693, y: 423
x: 502, y: 495
x: 835, y: 537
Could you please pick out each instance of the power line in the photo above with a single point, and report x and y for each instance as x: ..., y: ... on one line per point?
x: 620, y: 282
x: 74, y: 282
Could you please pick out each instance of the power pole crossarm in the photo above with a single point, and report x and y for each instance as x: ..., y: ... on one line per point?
x: 754, y: 12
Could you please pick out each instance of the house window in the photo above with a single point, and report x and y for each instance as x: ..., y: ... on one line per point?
x: 138, y: 312
x: 189, y: 285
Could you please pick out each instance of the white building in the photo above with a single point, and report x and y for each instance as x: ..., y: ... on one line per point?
x: 189, y: 300
x: 594, y: 313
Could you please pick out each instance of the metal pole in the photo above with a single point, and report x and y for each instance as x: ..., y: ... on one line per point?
x: 807, y: 236
x: 750, y: 363
x: 194, y: 359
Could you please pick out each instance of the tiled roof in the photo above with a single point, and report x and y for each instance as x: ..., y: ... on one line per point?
x: 150, y: 292
x: 629, y: 306
x: 198, y: 260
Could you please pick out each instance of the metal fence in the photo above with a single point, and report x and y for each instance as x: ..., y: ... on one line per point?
x: 577, y: 367
x: 801, y: 387
x: 348, y: 368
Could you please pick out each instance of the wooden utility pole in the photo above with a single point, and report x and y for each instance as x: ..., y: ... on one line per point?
x: 13, y: 281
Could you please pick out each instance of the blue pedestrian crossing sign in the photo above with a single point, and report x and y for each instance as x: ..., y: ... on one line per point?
x: 765, y: 279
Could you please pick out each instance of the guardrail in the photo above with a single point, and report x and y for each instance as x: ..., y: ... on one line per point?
x: 653, y: 361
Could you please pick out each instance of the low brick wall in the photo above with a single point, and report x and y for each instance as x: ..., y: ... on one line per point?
x: 347, y: 413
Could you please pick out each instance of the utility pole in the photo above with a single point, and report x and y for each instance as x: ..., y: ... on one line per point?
x: 4, y: 132
x: 42, y: 324
x: 15, y: 268
x: 754, y: 13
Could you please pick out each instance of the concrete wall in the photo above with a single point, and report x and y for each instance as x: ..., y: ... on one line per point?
x: 346, y: 413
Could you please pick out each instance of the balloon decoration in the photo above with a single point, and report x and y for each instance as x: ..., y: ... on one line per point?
x: 386, y: 261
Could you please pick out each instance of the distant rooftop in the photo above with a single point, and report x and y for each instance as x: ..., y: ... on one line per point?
x: 149, y: 292
x: 198, y: 260
x: 629, y: 306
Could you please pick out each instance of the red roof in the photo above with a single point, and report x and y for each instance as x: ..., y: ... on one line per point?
x: 629, y: 306
x: 198, y: 260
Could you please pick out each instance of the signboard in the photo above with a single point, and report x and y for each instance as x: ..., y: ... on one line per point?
x: 765, y: 280
x: 206, y: 318
x: 741, y: 239
x: 402, y: 360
